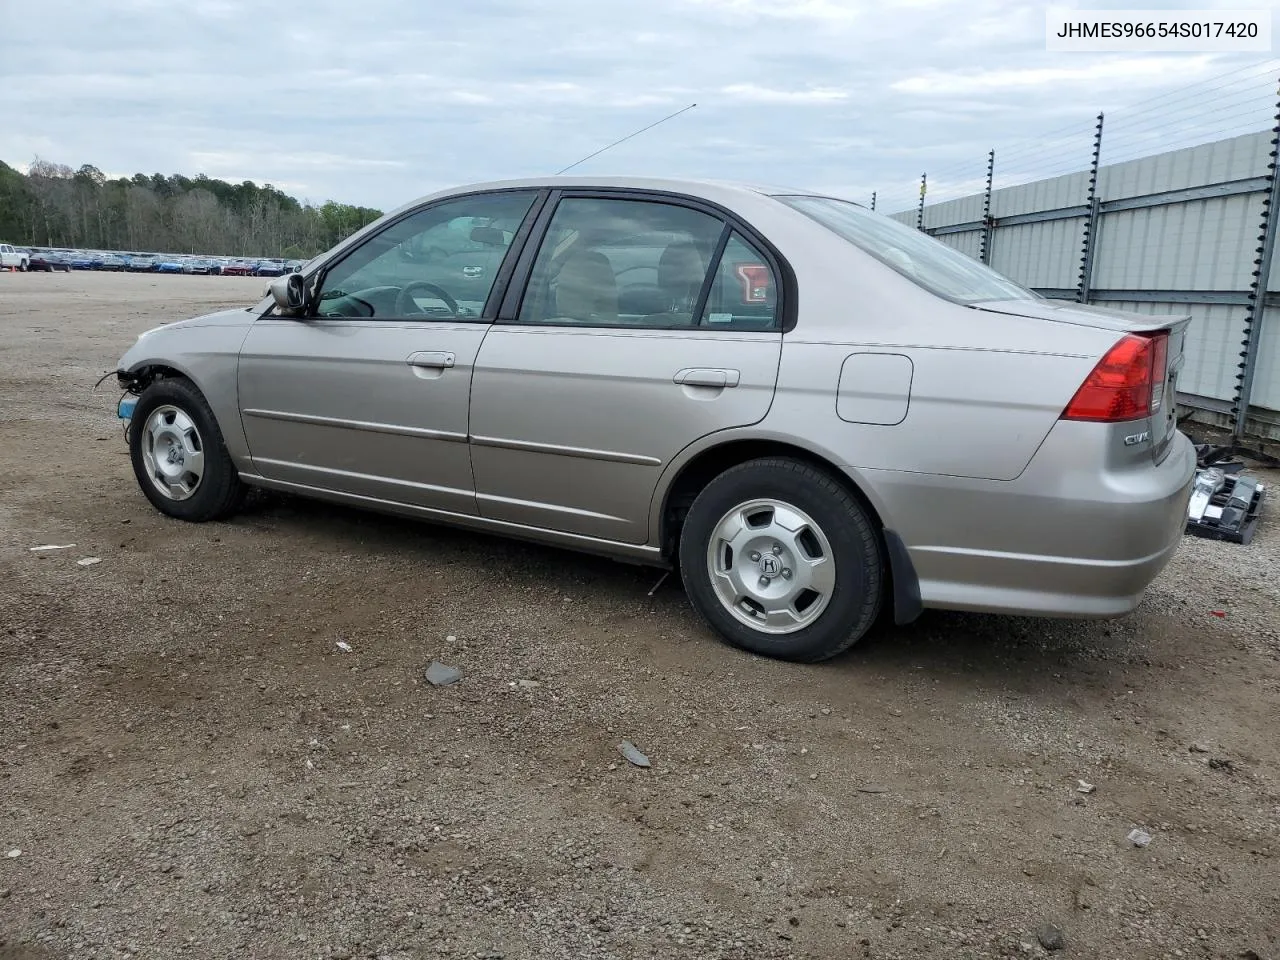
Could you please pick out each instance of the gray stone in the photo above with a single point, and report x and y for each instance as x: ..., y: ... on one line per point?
x: 1050, y: 937
x: 441, y: 675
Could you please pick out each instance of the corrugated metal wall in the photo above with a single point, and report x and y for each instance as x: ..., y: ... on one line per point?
x: 1177, y: 233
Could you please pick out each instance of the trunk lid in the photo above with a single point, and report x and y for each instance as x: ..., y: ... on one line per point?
x: 1161, y: 427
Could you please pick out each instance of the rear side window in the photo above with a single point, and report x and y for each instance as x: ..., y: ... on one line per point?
x: 744, y: 293
x: 608, y: 262
x: 917, y: 256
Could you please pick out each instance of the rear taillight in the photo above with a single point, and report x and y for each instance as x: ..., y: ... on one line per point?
x: 1159, y: 364
x: 1127, y: 383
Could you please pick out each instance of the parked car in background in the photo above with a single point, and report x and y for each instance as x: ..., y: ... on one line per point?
x: 139, y: 262
x: 813, y: 412
x: 112, y: 262
x: 81, y: 261
x: 48, y: 261
x: 14, y: 257
x: 167, y: 265
x: 237, y: 268
x: 268, y: 268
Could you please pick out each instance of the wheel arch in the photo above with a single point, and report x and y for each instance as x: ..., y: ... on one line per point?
x: 700, y: 464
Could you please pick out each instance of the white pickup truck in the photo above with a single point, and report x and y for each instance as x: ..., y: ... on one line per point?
x: 10, y: 256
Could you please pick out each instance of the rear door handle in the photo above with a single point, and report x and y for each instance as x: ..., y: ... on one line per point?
x: 432, y: 359
x: 707, y: 377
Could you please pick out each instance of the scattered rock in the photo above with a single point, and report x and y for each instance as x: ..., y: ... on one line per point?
x: 1139, y: 838
x: 1050, y: 937
x: 528, y: 684
x: 1198, y: 748
x: 1085, y: 787
x: 344, y: 646
x: 14, y: 854
x: 88, y: 561
x: 633, y: 755
x: 442, y: 675
x: 1222, y: 763
x: 873, y: 788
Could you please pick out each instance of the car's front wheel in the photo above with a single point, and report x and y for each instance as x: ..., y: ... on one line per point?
x: 782, y: 560
x: 178, y: 454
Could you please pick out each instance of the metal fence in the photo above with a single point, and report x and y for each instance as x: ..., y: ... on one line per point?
x: 1186, y: 230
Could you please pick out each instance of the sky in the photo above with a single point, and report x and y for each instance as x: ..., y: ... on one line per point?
x: 377, y: 102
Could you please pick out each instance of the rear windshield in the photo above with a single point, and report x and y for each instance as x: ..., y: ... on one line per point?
x: 914, y: 254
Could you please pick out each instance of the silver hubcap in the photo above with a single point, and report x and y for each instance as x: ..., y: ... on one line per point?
x: 771, y: 565
x: 173, y: 452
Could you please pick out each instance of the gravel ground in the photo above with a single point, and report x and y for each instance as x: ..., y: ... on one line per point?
x: 192, y: 767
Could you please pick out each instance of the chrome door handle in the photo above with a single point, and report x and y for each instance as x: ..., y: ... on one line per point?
x: 432, y: 359
x: 707, y: 377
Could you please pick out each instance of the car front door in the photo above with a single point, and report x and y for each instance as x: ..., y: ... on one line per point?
x: 644, y: 324
x: 367, y: 394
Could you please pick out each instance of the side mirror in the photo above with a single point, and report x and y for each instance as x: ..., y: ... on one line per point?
x: 289, y: 292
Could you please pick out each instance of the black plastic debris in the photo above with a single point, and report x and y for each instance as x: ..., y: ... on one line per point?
x: 1224, y: 504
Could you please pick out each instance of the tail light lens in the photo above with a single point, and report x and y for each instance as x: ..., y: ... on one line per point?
x: 1127, y: 383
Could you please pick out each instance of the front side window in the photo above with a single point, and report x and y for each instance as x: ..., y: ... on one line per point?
x: 917, y: 256
x: 438, y: 263
x: 621, y: 262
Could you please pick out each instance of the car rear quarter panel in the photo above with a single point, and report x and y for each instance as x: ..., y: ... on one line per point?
x: 984, y: 389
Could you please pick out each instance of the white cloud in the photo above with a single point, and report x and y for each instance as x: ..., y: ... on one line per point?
x: 963, y: 83
x: 219, y: 160
x: 827, y: 11
x: 757, y: 94
x: 380, y: 101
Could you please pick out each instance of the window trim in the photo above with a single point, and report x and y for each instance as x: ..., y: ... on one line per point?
x: 787, y: 309
x: 501, y: 279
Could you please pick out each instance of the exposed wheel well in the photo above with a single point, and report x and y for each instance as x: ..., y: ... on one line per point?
x: 140, y: 379
x: 703, y: 468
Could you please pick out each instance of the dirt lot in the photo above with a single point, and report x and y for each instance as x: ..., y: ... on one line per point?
x: 191, y: 767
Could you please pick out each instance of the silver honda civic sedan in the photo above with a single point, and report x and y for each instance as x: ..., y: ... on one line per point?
x: 818, y: 415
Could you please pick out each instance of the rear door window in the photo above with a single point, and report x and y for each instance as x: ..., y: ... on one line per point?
x: 607, y: 262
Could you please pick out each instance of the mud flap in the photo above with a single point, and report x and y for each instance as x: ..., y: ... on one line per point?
x: 907, y: 605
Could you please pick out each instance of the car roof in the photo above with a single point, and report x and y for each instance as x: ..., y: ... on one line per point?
x: 716, y: 191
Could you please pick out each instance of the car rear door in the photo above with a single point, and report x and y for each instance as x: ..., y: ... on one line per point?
x: 637, y: 325
x: 367, y: 396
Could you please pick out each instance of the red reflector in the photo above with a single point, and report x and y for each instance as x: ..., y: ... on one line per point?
x: 1125, y: 381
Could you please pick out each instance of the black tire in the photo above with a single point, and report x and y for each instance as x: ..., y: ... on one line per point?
x: 219, y: 492
x: 854, y: 601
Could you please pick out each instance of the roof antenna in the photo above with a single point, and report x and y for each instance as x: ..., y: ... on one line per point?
x: 627, y: 137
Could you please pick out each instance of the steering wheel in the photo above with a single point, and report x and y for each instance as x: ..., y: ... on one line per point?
x: 405, y: 304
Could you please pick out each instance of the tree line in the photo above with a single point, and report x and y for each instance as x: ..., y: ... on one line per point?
x: 52, y: 205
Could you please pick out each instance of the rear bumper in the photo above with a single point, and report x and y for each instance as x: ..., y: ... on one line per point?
x: 1074, y: 536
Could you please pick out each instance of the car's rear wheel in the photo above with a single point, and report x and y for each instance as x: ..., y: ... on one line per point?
x: 178, y: 454
x: 781, y: 559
